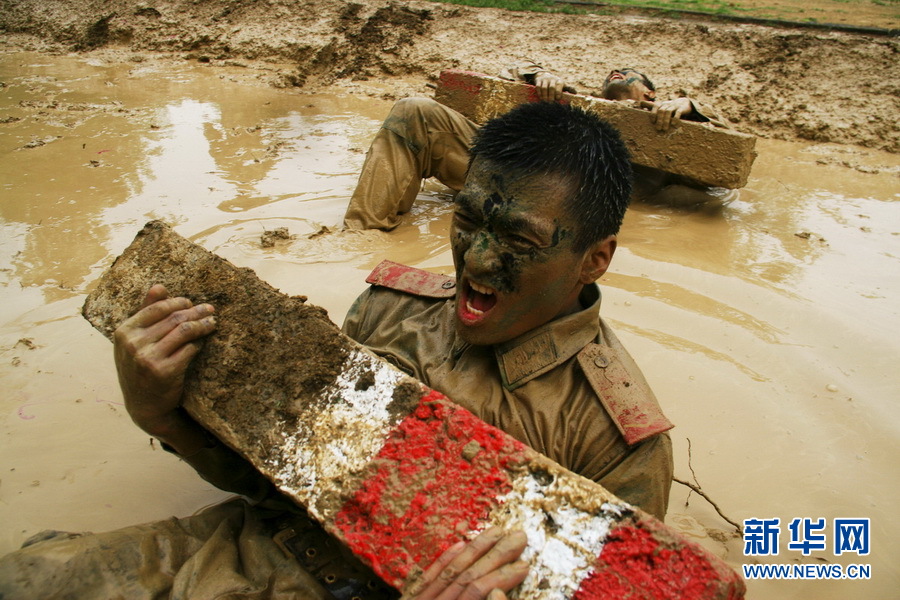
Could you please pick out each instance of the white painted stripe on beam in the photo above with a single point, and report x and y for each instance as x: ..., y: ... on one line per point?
x: 563, y: 541
x: 347, y: 431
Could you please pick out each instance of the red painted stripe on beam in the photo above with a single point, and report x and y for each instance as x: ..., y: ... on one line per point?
x: 634, y: 565
x: 468, y: 85
x: 448, y: 468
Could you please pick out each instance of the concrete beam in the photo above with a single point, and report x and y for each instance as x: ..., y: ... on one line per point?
x: 710, y: 155
x: 394, y: 470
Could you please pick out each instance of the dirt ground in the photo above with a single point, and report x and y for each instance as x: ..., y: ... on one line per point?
x: 781, y: 83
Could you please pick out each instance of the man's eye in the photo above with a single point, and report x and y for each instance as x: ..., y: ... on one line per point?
x: 519, y: 243
x: 463, y: 220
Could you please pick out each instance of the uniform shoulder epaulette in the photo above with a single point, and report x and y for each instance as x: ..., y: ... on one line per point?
x: 626, y: 396
x: 411, y: 280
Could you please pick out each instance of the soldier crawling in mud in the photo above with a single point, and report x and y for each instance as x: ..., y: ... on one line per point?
x: 515, y: 337
x: 422, y: 138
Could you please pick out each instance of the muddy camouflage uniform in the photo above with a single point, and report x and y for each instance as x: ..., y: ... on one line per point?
x: 421, y: 138
x: 549, y: 388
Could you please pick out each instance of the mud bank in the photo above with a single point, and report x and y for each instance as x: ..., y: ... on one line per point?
x: 788, y: 84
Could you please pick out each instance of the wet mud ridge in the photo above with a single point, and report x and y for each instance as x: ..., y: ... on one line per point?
x: 395, y: 470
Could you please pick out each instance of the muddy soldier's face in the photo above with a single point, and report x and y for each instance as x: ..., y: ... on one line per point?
x: 626, y: 84
x: 512, y: 248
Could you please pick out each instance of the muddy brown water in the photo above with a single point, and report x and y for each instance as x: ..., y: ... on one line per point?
x: 767, y: 327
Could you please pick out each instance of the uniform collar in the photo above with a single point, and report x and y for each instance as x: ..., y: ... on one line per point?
x: 540, y: 350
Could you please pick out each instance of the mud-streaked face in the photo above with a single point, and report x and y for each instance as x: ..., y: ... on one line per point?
x: 512, y: 246
x: 626, y: 84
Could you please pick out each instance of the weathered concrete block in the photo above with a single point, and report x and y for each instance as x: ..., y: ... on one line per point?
x: 393, y: 469
x: 710, y: 155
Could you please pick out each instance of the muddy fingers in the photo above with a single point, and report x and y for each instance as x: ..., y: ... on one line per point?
x: 480, y: 569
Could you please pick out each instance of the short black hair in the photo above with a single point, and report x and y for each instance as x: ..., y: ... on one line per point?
x: 543, y: 138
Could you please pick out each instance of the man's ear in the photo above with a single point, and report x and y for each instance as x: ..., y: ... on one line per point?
x: 596, y: 260
x: 650, y: 95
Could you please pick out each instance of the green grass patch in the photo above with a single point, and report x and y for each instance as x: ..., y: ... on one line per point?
x: 517, y: 5
x: 711, y: 7
x: 707, y: 6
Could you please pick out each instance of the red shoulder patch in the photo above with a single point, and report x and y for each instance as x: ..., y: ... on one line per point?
x: 627, y: 398
x: 411, y: 280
